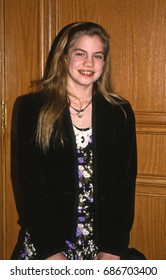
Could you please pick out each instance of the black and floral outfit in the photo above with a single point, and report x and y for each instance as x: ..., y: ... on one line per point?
x: 63, y: 214
x: 84, y: 247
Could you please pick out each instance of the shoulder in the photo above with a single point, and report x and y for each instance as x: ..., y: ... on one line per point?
x: 27, y: 108
x: 119, y: 102
x: 34, y: 100
x: 116, y: 105
x: 30, y: 104
x: 124, y: 110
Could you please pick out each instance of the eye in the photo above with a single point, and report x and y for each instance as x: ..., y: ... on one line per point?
x: 99, y: 56
x: 80, y: 54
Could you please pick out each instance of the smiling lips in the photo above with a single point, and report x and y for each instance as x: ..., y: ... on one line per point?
x: 86, y: 73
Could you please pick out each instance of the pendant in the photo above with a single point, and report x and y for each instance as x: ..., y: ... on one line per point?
x: 80, y: 115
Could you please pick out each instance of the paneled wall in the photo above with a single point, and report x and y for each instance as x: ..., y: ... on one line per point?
x: 21, y: 62
x: 138, y: 56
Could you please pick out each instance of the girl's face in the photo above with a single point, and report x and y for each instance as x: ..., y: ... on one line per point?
x: 85, y: 60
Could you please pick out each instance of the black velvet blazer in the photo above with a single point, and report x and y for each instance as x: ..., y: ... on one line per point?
x: 49, y: 181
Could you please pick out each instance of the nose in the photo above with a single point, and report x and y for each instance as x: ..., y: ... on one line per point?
x: 89, y: 62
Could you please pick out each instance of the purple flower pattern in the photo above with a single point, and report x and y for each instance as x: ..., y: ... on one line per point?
x: 28, y: 251
x: 84, y: 247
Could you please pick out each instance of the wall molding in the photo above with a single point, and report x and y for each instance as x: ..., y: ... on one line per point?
x: 47, y: 21
x: 151, y: 122
x: 151, y: 185
x: 2, y: 139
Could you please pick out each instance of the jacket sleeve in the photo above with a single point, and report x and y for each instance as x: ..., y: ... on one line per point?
x: 40, y: 211
x: 117, y: 211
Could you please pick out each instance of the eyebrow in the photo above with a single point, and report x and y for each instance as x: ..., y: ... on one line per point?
x: 99, y: 52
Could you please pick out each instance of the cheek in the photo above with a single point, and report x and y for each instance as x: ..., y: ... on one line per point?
x: 99, y: 71
x: 100, y: 68
x: 72, y: 64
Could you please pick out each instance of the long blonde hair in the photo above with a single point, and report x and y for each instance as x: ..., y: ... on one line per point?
x: 55, y: 79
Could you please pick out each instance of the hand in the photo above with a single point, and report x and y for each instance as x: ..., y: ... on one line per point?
x: 106, y: 256
x: 58, y: 256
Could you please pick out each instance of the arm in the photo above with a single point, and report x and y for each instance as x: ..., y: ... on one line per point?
x: 40, y: 210
x: 106, y: 256
x: 58, y: 256
x: 116, y: 209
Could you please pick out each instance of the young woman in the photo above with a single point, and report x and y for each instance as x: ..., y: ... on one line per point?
x: 77, y: 154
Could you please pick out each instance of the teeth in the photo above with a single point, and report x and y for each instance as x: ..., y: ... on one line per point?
x: 86, y: 72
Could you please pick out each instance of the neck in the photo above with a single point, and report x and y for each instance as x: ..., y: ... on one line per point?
x: 80, y: 94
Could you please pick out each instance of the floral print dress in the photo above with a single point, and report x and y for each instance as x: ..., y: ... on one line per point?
x: 84, y: 247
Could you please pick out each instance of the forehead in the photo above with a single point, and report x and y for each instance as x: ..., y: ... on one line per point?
x: 87, y: 42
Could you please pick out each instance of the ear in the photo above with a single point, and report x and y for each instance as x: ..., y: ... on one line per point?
x: 65, y: 57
